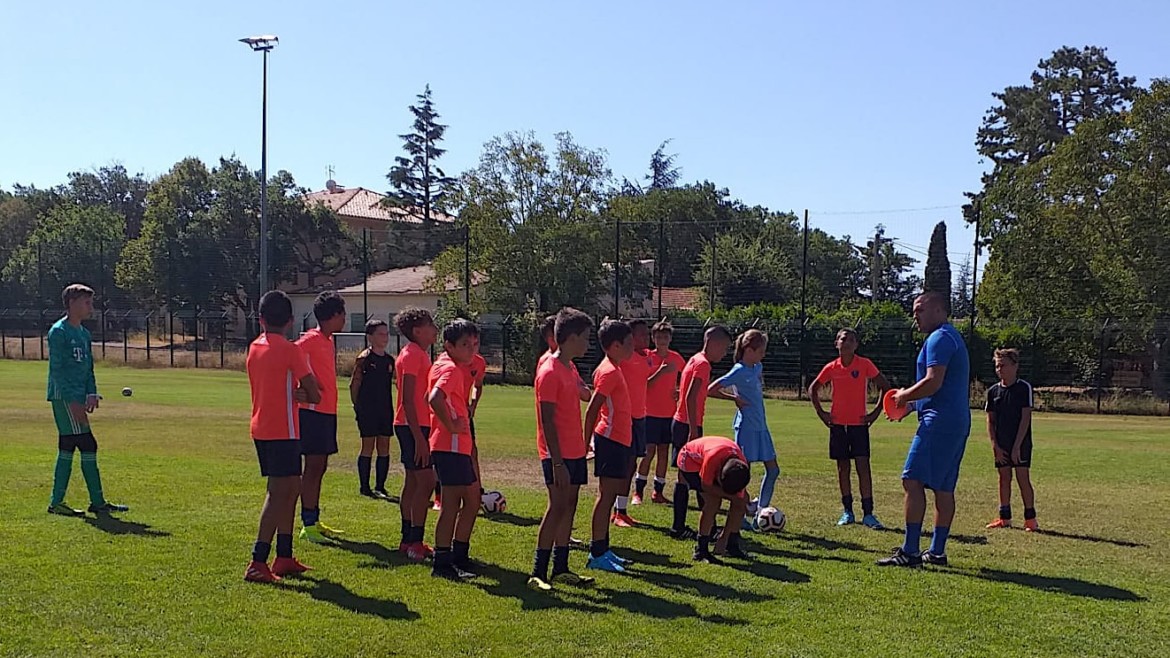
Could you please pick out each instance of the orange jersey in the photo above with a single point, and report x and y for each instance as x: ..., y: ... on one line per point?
x: 706, y: 456
x: 412, y: 360
x: 615, y: 421
x: 275, y: 366
x: 697, y: 370
x: 557, y: 383
x: 637, y: 370
x: 548, y: 356
x: 850, y: 383
x: 660, y: 401
x: 474, y: 372
x: 450, y: 378
x: 323, y: 361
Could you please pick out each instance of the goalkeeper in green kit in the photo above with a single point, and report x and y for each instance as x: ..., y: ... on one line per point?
x: 73, y: 393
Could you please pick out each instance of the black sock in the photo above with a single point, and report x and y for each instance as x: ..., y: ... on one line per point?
x: 364, y: 472
x: 699, y: 498
x: 540, y: 564
x: 443, y: 556
x: 598, y: 547
x: 406, y: 531
x: 381, y: 470
x: 417, y: 533
x: 560, y: 559
x: 704, y: 544
x: 621, y: 510
x: 659, y: 486
x: 640, y: 485
x: 284, y: 546
x: 1029, y: 513
x: 847, y: 503
x: 733, y: 540
x: 438, y: 490
x: 681, y: 493
x: 462, y: 550
x: 1005, y: 512
x: 260, y: 551
x: 867, y: 506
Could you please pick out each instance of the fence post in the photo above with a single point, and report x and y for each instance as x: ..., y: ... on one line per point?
x: 365, y: 273
x: 102, y: 287
x: 3, y: 339
x: 21, y: 325
x: 171, y: 324
x: 41, y: 332
x: 504, y: 360
x: 1032, y: 349
x: 196, y: 335
x: 617, y: 266
x: 466, y: 265
x: 148, y: 335
x: 222, y: 336
x: 661, y: 259
x: 1101, y: 362
x: 803, y: 312
x: 125, y: 338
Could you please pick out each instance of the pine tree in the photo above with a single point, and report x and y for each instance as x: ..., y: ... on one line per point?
x: 419, y: 184
x: 961, y: 296
x: 938, y: 268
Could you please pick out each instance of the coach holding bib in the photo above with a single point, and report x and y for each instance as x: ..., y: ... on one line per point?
x: 942, y: 399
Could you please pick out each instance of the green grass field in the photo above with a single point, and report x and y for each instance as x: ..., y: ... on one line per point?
x: 165, y: 579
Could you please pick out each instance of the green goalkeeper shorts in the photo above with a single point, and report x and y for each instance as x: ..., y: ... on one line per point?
x: 67, y: 424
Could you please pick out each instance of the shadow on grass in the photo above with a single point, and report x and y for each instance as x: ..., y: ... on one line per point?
x: 1068, y: 586
x: 639, y: 557
x: 971, y: 540
x: 1097, y: 540
x: 337, y: 594
x: 514, y: 585
x: 677, y: 582
x: 115, y: 526
x: 760, y: 549
x: 658, y: 608
x: 511, y: 519
x: 777, y: 572
x: 382, y: 556
x: 823, y: 543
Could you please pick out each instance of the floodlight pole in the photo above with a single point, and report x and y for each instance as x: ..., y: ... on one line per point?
x: 263, y: 45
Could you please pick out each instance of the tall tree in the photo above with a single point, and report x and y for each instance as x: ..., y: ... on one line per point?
x: 70, y: 244
x: 114, y: 188
x: 664, y: 174
x: 535, y: 227
x: 938, y: 266
x: 420, y: 186
x: 961, y: 306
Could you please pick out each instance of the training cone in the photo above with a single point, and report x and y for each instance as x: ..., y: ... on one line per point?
x: 893, y: 411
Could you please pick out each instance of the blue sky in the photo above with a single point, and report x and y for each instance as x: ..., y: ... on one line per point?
x: 844, y: 108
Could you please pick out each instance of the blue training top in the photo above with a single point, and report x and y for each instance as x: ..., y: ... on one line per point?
x: 749, y: 385
x: 950, y: 407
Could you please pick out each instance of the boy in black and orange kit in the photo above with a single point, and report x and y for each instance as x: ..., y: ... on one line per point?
x: 412, y: 427
x: 452, y: 451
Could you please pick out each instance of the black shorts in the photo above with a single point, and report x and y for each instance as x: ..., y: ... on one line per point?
x: 82, y: 442
x: 280, y: 458
x: 612, y: 459
x: 639, y: 443
x: 680, y: 433
x: 658, y: 431
x: 693, y: 480
x: 454, y: 469
x: 1025, y: 455
x: 578, y: 470
x: 848, y: 441
x: 406, y: 446
x: 373, y: 422
x: 318, y: 433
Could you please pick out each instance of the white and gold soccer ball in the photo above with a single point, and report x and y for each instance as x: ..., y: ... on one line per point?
x: 771, y: 519
x: 493, y: 502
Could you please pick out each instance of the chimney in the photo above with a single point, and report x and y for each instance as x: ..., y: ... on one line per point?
x: 331, y: 185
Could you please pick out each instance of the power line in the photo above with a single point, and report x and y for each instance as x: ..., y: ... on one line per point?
x: 880, y: 212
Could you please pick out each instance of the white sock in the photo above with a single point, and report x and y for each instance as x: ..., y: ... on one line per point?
x: 658, y: 480
x: 621, y: 502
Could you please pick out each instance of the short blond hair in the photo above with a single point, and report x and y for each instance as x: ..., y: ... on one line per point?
x: 1008, y: 354
x: 75, y: 291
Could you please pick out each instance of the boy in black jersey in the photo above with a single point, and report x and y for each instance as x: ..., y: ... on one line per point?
x: 373, y: 399
x: 1009, y: 426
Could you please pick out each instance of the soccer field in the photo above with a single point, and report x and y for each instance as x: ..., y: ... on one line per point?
x: 166, y: 578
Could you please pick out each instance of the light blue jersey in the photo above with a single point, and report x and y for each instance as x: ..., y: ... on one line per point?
x: 750, y: 425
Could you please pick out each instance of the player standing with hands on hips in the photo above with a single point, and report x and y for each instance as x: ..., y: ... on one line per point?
x: 942, y: 399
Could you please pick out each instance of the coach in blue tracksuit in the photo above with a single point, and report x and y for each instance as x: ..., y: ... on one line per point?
x: 942, y: 399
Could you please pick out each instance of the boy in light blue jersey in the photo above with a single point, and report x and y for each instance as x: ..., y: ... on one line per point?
x: 744, y: 384
x: 72, y: 391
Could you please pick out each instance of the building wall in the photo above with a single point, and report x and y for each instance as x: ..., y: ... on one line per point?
x: 381, y: 305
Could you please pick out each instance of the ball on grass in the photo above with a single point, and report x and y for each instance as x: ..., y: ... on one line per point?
x: 493, y: 502
x: 771, y: 519
x: 127, y: 392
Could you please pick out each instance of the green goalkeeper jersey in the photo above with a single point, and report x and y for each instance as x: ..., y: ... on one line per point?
x: 70, y: 363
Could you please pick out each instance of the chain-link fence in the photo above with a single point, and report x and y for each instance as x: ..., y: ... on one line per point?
x: 773, y: 272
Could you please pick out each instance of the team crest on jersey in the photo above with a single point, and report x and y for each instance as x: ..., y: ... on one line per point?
x: 856, y: 374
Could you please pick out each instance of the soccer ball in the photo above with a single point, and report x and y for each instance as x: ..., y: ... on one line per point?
x: 753, y: 507
x: 127, y: 392
x: 771, y: 519
x: 493, y: 502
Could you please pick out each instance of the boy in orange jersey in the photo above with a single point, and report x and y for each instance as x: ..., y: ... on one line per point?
x: 611, y: 422
x: 688, y: 418
x: 636, y: 369
x: 412, y: 427
x: 661, y: 402
x: 547, y: 333
x: 561, y: 445
x: 848, y: 421
x: 716, y: 466
x: 274, y: 365
x: 319, y: 421
x: 452, y: 449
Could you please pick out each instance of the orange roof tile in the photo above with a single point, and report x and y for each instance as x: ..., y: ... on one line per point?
x: 366, y: 204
